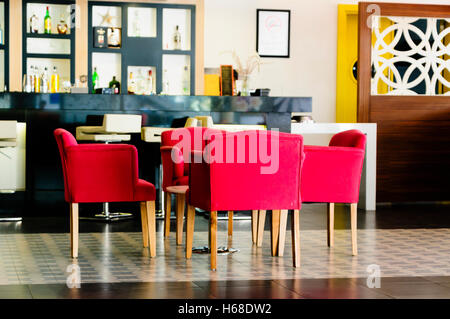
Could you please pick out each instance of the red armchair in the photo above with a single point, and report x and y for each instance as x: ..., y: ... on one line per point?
x: 332, y: 174
x: 176, y: 146
x: 97, y: 173
x: 246, y: 180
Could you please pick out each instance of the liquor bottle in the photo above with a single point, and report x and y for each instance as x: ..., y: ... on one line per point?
x: 131, y: 84
x: 34, y: 24
x: 37, y: 80
x: 177, y: 39
x: 95, y: 80
x: 141, y: 83
x: 150, y: 83
x: 115, y: 85
x: 136, y: 26
x: 165, y: 83
x: 47, y: 22
x: 31, y: 79
x: 54, y: 85
x: 62, y: 25
x: 45, y: 81
x: 186, y: 80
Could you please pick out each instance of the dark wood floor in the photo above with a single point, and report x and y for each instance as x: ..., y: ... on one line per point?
x: 333, y: 288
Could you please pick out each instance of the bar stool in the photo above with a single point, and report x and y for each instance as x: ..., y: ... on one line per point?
x: 115, y: 128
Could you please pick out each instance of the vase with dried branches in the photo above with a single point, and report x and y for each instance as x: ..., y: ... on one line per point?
x: 245, y: 70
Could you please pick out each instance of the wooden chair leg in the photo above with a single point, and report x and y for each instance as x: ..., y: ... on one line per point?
x: 295, y: 232
x: 167, y: 210
x: 260, y: 230
x: 230, y: 223
x: 190, y: 221
x: 353, y: 213
x: 275, y: 231
x: 144, y: 225
x: 282, y: 232
x: 254, y: 226
x: 213, y: 239
x: 180, y: 217
x: 74, y: 229
x: 151, y: 226
x: 330, y: 225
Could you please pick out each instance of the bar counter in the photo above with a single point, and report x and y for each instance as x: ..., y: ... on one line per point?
x: 42, y: 113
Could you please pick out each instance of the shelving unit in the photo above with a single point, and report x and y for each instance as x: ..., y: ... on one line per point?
x: 4, y: 45
x: 146, y: 33
x: 49, y: 50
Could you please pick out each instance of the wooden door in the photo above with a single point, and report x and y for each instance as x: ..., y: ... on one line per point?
x: 413, y: 152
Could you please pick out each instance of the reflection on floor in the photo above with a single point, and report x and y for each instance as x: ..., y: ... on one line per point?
x: 414, y: 263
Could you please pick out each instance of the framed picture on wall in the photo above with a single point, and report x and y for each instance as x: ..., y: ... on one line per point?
x: 273, y: 33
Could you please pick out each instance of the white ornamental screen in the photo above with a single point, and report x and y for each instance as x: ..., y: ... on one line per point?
x: 410, y: 56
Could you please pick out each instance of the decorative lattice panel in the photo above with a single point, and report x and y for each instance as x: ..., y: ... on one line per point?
x: 410, y: 56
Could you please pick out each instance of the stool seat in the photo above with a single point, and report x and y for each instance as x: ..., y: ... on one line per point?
x: 182, y: 189
x: 115, y: 128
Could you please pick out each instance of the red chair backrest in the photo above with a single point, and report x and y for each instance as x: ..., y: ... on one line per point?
x: 350, y: 138
x: 64, y: 139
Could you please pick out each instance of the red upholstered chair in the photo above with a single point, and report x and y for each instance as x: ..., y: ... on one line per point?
x: 332, y: 174
x: 98, y: 173
x: 244, y: 179
x: 176, y: 146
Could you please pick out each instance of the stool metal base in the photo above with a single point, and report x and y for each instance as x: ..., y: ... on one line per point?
x: 111, y: 217
x: 221, y: 250
x: 224, y: 216
x: 107, y: 216
x: 11, y: 219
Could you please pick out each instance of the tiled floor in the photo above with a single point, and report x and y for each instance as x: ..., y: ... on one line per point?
x: 414, y: 262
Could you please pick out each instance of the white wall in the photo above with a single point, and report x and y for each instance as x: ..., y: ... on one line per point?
x: 311, y: 69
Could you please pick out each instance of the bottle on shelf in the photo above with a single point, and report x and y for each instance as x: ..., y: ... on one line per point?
x: 115, y: 85
x: 177, y: 39
x: 37, y: 80
x: 186, y: 80
x: 31, y: 79
x: 45, y: 81
x: 141, y: 83
x: 62, y: 25
x: 95, y: 80
x: 136, y: 26
x: 150, y: 83
x: 47, y: 22
x: 54, y: 85
x: 165, y: 83
x: 131, y: 84
x: 34, y: 24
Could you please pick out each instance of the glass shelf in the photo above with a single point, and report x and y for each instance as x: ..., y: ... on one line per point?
x: 141, y: 81
x: 173, y: 18
x: 56, y: 12
x: 176, y: 74
x: 108, y: 65
x: 48, y: 46
x: 141, y: 22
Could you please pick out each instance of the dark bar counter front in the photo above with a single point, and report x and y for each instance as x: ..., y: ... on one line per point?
x: 42, y: 113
